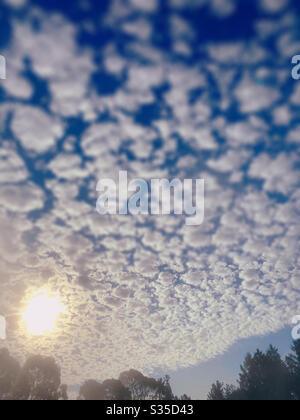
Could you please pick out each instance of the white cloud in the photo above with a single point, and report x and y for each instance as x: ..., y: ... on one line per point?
x: 223, y: 8
x: 16, y: 3
x: 253, y: 97
x: 145, y: 5
x: 273, y: 6
x: 36, y: 130
x: 12, y: 168
x: 18, y: 86
x: 282, y: 115
x: 279, y: 173
x: 21, y: 198
x: 293, y: 135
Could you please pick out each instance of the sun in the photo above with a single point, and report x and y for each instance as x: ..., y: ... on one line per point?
x: 42, y: 312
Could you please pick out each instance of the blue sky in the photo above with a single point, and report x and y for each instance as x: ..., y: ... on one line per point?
x: 161, y: 89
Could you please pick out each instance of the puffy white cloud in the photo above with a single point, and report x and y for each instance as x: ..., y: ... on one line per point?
x: 295, y: 99
x: 279, y: 173
x: 293, y: 135
x: 18, y: 86
x: 12, y: 167
x: 36, y: 130
x: 16, y: 3
x: 234, y: 159
x: 273, y: 6
x: 282, y: 115
x: 223, y: 8
x: 253, y: 97
x: 21, y: 198
x: 243, y: 133
x: 68, y: 166
x: 145, y: 5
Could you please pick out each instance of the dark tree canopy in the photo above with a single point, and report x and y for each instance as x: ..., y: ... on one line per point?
x: 38, y: 379
x: 293, y: 364
x: 143, y: 388
x: 92, y: 391
x: 264, y: 376
x: 9, y: 373
x: 115, y: 390
x: 111, y: 389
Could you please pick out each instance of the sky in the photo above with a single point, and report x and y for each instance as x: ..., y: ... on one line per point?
x: 161, y: 89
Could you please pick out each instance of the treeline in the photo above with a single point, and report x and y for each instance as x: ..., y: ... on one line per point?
x: 263, y: 376
x: 40, y: 379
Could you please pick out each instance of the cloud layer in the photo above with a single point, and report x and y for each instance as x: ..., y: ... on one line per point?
x: 149, y: 292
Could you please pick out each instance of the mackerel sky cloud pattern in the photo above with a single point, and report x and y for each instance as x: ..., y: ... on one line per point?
x: 161, y: 90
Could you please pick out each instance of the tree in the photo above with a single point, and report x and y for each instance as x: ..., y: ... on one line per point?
x: 115, y: 390
x: 265, y: 377
x: 143, y: 388
x: 9, y: 372
x: 92, y: 390
x: 183, y: 397
x: 40, y: 379
x: 217, y: 392
x: 111, y: 389
x: 164, y: 390
x: 221, y: 392
x: 293, y: 364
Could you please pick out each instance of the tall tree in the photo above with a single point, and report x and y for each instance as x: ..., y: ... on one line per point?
x: 293, y: 364
x: 115, y: 390
x: 217, y: 392
x: 92, y: 390
x: 9, y: 373
x: 143, y: 388
x: 265, y: 377
x: 40, y: 379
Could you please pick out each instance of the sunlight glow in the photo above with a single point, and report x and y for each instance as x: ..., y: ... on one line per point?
x: 42, y: 312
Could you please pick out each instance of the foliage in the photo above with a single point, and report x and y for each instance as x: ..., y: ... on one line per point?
x: 263, y: 376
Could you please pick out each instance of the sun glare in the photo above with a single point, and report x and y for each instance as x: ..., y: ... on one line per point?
x: 41, y: 314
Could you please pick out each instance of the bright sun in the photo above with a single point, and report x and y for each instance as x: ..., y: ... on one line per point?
x: 42, y: 312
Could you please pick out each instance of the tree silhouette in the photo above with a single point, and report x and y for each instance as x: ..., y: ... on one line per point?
x: 9, y: 373
x: 143, y: 388
x: 217, y: 392
x: 293, y: 364
x: 111, y: 389
x: 264, y: 376
x: 92, y: 390
x: 115, y: 390
x: 184, y: 397
x: 40, y: 379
